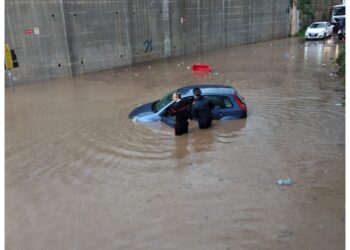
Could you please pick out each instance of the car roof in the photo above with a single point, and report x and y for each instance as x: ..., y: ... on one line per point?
x: 207, y: 89
x: 319, y: 22
x: 339, y: 5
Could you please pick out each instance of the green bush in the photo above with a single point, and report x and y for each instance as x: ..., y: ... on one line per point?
x: 306, y: 12
x: 301, y: 33
x: 341, y: 60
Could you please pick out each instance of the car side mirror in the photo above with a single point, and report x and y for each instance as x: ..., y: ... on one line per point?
x: 332, y: 26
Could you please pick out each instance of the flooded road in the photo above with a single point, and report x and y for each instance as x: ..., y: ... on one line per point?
x: 81, y: 175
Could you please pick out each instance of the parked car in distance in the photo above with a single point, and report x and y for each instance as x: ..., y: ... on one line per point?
x: 228, y: 104
x: 319, y: 30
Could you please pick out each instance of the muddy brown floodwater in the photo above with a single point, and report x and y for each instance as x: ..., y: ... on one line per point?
x: 81, y: 175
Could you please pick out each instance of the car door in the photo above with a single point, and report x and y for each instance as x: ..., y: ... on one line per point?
x: 170, y: 119
x: 166, y: 118
x: 222, y: 107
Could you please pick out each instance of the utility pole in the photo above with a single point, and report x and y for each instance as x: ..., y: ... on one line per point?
x: 294, y: 18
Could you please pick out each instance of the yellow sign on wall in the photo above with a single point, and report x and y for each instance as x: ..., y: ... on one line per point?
x: 8, y: 57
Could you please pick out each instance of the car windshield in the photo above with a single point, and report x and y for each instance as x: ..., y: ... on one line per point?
x: 163, y: 102
x: 339, y: 11
x: 317, y: 25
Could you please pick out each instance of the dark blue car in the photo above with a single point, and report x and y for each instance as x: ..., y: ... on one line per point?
x: 228, y: 104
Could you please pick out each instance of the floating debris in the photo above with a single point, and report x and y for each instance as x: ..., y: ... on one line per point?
x: 287, y: 181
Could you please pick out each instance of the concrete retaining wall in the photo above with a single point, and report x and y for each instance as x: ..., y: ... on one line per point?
x: 55, y: 38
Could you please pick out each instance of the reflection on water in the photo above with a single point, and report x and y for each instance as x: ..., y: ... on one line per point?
x: 81, y: 175
x: 181, y: 147
x: 321, y: 50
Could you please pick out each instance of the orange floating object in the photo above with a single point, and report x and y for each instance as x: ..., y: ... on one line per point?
x: 201, y: 67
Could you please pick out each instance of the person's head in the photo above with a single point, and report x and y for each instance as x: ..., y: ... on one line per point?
x: 176, y: 96
x: 197, y: 92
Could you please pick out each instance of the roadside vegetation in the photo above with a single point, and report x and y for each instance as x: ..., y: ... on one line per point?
x: 341, y: 60
x: 307, y: 13
x: 301, y: 33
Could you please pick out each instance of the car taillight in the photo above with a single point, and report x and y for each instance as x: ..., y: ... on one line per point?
x: 241, y: 103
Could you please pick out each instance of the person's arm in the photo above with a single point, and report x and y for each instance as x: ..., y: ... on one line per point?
x: 170, y: 110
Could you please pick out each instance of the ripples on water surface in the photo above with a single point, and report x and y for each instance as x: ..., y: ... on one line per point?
x: 80, y: 175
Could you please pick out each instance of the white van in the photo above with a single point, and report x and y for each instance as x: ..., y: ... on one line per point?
x: 338, y: 13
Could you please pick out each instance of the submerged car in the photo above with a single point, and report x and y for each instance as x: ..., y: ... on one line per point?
x: 319, y: 30
x: 228, y: 104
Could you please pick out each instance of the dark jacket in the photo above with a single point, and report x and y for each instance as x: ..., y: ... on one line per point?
x: 201, y: 110
x: 181, y: 110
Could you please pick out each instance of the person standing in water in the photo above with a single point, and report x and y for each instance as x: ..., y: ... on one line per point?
x: 201, y: 109
x: 181, y: 110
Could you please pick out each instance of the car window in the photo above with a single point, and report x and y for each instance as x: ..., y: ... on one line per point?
x: 163, y: 102
x: 220, y: 102
x: 339, y: 11
x: 317, y: 25
x: 227, y: 101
